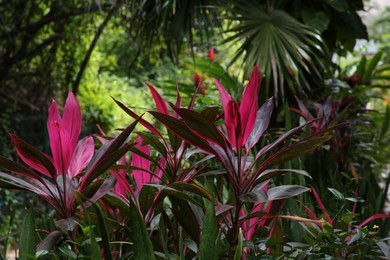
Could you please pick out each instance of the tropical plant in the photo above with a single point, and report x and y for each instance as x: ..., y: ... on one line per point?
x: 59, y: 180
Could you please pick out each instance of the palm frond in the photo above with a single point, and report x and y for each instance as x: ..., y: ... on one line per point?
x: 289, y: 53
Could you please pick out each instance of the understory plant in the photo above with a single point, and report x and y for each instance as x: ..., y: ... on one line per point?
x: 189, y: 184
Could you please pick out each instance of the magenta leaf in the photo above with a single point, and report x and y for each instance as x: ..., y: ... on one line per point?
x: 321, y: 205
x: 33, y: 157
x: 141, y: 176
x: 108, y: 155
x: 249, y: 103
x: 12, y: 166
x: 160, y: 102
x: 71, y: 119
x: 60, y: 144
x: 81, y: 156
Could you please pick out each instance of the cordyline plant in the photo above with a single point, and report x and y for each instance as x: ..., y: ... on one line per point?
x: 72, y: 172
x: 232, y: 144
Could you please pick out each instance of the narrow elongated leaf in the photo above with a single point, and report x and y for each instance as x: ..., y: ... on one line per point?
x: 158, y: 100
x: 263, y: 117
x: 208, y: 239
x: 193, y: 188
x: 249, y: 103
x: 103, y: 164
x: 143, y: 122
x: 384, y: 248
x: 285, y: 191
x: 143, y: 248
x: 33, y: 157
x: 182, y: 130
x: 295, y: 150
x: 154, y: 142
x: 240, y: 242
x: 12, y: 166
x: 272, y: 173
x: 103, y: 232
x: 107, y: 155
x: 371, y: 66
x: 210, y: 113
x: 186, y: 217
x: 202, y: 126
x: 146, y: 198
x: 51, y: 241
x: 28, y: 237
x: 368, y: 220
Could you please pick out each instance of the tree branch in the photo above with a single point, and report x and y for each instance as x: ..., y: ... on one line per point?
x: 84, y: 64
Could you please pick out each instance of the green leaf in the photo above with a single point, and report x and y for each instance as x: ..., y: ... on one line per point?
x: 186, y: 217
x: 28, y: 237
x: 295, y: 150
x: 108, y: 154
x: 147, y: 197
x: 143, y: 248
x: 240, y: 242
x: 316, y: 19
x: 103, y: 232
x: 154, y: 142
x: 191, y: 187
x: 336, y: 193
x: 207, y: 245
x: 372, y: 65
x: 202, y: 126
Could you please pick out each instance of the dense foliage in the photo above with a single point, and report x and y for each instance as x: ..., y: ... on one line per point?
x: 256, y: 137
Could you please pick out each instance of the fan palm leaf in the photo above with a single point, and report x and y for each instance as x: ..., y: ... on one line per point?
x: 288, y: 52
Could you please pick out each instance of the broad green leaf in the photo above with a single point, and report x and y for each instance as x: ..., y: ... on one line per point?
x: 208, y: 239
x: 143, y: 248
x: 361, y: 68
x: 28, y: 238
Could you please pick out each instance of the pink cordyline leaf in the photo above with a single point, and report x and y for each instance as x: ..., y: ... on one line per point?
x: 81, y: 156
x: 376, y: 216
x: 249, y: 103
x: 64, y: 133
x: 60, y: 145
x: 29, y: 158
x: 248, y: 233
x: 160, y: 102
x: 141, y: 177
x: 321, y: 205
x: 233, y: 124
x: 72, y: 119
